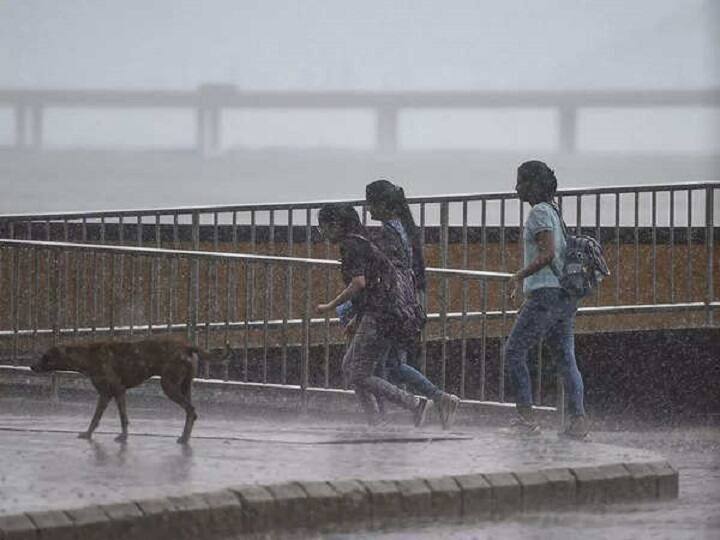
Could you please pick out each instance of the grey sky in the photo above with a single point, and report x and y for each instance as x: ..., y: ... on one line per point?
x: 374, y: 44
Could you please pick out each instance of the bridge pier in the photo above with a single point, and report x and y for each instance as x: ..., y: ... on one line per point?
x: 28, y: 126
x: 567, y: 129
x: 387, y: 130
x: 208, y: 140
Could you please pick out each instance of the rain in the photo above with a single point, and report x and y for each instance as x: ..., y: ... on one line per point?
x: 331, y: 246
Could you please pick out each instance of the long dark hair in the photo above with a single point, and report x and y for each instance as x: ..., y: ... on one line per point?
x: 542, y: 178
x: 393, y: 197
x: 343, y: 215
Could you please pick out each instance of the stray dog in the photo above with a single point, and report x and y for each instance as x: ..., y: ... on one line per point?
x: 113, y: 367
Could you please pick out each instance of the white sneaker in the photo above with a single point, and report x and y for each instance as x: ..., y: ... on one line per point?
x: 447, y: 409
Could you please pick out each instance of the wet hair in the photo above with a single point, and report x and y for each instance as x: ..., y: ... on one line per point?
x: 341, y: 214
x: 393, y: 197
x: 542, y: 177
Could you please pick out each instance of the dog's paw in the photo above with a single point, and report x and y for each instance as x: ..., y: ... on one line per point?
x: 84, y: 435
x: 121, y: 438
x: 183, y: 440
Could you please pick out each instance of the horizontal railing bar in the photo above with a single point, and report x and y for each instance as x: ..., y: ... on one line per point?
x: 303, y: 205
x: 174, y: 253
x: 317, y: 321
x: 171, y: 253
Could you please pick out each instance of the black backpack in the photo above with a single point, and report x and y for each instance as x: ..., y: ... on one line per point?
x: 584, y: 265
x: 400, y: 315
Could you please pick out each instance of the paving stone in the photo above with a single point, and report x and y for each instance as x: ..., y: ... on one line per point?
x: 537, y: 491
x: 476, y: 495
x: 644, y: 481
x: 616, y: 482
x: 416, y: 497
x: 323, y: 505
x: 17, y: 527
x: 226, y: 516
x: 563, y: 485
x: 589, y: 485
x: 91, y: 522
x: 668, y: 481
x: 290, y: 505
x: 192, y: 515
x: 355, y: 503
x: 258, y: 508
x: 159, y: 519
x: 446, y: 496
x: 126, y: 519
x: 385, y: 499
x: 52, y: 524
x: 506, y: 493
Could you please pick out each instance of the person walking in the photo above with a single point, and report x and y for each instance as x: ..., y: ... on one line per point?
x: 548, y: 311
x: 399, y: 239
x: 363, y: 268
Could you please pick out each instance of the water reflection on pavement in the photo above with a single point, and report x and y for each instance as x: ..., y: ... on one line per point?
x: 694, y: 515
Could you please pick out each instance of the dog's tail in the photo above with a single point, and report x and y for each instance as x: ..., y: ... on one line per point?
x: 197, y: 354
x: 206, y: 356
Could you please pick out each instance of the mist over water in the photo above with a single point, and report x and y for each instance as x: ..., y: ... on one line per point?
x: 102, y: 158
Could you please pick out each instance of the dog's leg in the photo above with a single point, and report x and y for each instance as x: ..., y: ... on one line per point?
x: 102, y: 403
x: 120, y: 400
x: 180, y: 394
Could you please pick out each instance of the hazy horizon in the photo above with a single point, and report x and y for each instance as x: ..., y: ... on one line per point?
x: 315, y: 45
x: 373, y: 45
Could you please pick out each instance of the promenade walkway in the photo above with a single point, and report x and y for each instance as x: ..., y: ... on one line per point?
x: 45, y: 467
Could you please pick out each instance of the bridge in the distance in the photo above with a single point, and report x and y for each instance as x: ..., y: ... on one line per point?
x: 209, y: 102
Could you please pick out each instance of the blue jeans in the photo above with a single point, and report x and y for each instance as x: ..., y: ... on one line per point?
x: 397, y: 371
x: 366, y: 352
x: 548, y: 313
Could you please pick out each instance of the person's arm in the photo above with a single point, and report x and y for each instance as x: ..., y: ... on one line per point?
x: 546, y: 253
x: 356, y: 285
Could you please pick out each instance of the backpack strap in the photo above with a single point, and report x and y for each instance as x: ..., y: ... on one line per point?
x: 562, y: 221
x: 555, y: 271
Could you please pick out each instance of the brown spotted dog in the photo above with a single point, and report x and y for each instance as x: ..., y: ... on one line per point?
x: 115, y: 366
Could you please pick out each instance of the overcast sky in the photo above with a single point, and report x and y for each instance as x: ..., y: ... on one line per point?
x: 369, y: 44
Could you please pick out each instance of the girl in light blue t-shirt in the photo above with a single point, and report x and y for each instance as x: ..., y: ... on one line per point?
x: 549, y: 311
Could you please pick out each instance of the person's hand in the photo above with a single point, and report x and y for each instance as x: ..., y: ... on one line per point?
x: 323, y: 308
x: 515, y: 286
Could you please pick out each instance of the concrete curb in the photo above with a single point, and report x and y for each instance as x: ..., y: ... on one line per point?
x: 21, y: 382
x: 326, y: 505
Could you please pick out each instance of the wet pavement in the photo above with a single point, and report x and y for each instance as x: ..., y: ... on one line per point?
x: 44, y: 466
x: 694, y: 515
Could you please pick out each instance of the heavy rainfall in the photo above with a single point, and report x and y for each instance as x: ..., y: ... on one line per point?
x: 343, y: 270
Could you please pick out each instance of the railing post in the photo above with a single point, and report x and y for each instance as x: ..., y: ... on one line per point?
x: 445, y: 295
x: 194, y: 291
x: 710, y: 250
x: 55, y: 310
x: 560, y: 405
x: 305, y: 366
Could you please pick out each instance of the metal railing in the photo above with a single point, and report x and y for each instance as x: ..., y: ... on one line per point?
x: 659, y: 239
x: 63, y: 291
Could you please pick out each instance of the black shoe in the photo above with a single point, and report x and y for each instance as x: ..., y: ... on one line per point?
x: 421, y: 410
x: 578, y: 428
